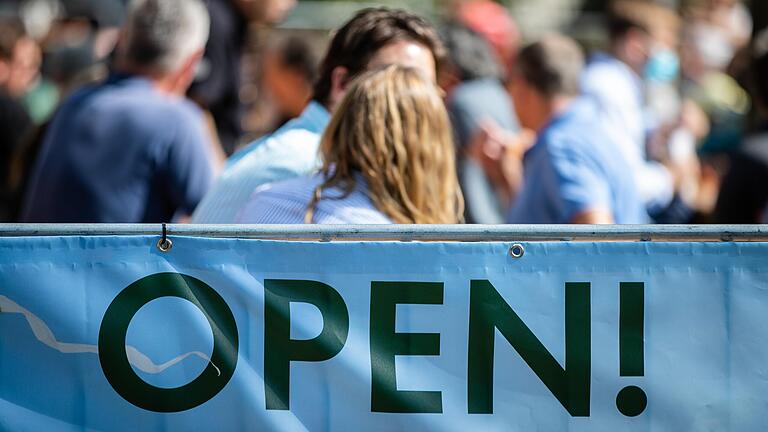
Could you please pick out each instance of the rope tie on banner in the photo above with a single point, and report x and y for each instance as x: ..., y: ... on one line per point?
x: 165, y: 244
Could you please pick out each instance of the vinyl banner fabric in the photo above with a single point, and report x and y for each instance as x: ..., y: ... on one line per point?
x: 111, y: 334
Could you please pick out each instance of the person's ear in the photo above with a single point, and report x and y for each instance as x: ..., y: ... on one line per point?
x: 448, y: 80
x: 339, y: 82
x: 186, y: 74
x: 119, y: 55
x: 105, y: 42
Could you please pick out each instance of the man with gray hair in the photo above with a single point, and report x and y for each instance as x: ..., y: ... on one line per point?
x: 131, y: 149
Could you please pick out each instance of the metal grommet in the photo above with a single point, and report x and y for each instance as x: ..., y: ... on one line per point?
x: 517, y: 251
x: 164, y: 244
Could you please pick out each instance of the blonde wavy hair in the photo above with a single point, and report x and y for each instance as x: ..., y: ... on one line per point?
x: 392, y: 128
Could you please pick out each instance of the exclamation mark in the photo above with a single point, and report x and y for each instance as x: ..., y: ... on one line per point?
x: 631, y: 400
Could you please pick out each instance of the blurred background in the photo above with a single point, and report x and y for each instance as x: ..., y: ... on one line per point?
x: 263, y: 57
x: 282, y: 42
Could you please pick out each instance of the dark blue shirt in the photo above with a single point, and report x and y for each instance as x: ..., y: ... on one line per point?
x: 120, y: 152
x: 574, y: 167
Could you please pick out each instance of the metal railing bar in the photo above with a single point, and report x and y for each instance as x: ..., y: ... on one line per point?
x: 463, y: 233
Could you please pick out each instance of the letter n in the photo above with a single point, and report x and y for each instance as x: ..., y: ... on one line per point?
x: 488, y: 311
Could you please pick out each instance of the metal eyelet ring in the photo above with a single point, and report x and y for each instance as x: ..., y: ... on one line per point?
x: 517, y: 251
x: 165, y: 245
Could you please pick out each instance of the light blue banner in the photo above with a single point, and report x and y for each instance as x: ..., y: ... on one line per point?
x: 110, y: 334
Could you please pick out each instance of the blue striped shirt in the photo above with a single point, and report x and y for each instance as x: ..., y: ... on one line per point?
x: 290, y: 152
x: 286, y: 203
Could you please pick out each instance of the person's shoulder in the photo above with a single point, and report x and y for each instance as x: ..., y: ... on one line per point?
x: 293, y: 190
x: 186, y: 107
x: 470, y: 91
x: 281, y: 202
x: 78, y: 97
x: 289, y: 138
x: 579, y: 123
x: 607, y: 77
x: 139, y: 96
x: 353, y: 208
x: 177, y: 111
x: 295, y: 148
x: 299, y: 131
x: 602, y: 62
x: 177, y: 121
x: 354, y: 215
x: 294, y: 186
x: 597, y: 68
x: 580, y: 137
x: 484, y: 98
x: 140, y: 103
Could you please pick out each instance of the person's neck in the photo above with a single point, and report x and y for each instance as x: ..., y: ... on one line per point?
x: 554, y: 108
x: 619, y: 54
x: 163, y: 83
x: 168, y: 85
x: 560, y: 104
x: 329, y: 105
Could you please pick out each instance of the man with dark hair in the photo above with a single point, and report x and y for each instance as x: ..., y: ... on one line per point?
x: 573, y: 173
x: 130, y: 149
x: 744, y: 194
x: 373, y: 38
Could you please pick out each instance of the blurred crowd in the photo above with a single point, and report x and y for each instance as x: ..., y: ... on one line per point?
x: 206, y: 111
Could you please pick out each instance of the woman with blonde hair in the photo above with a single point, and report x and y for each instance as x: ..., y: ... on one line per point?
x: 388, y: 157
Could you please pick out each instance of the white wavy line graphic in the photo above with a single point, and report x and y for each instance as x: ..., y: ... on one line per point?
x: 135, y: 357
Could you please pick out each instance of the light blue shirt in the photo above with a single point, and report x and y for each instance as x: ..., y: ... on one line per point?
x: 286, y: 203
x: 619, y: 94
x: 290, y: 152
x: 574, y: 167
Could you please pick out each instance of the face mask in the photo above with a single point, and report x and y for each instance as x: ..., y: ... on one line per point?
x: 663, y: 66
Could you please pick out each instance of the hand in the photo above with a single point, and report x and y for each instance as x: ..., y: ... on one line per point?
x: 500, y: 153
x: 694, y: 119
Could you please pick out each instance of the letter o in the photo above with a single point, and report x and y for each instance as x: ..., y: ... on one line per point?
x: 114, y: 329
